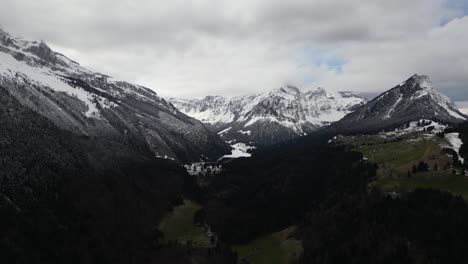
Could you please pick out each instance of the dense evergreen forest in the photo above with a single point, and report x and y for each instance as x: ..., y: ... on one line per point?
x: 324, y: 191
x: 463, y: 129
x: 276, y: 187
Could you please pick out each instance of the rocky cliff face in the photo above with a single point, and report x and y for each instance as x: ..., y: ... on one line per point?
x: 95, y: 105
x: 270, y: 117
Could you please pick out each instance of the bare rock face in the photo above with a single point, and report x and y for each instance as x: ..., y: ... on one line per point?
x: 412, y: 100
x: 95, y: 105
x: 270, y: 117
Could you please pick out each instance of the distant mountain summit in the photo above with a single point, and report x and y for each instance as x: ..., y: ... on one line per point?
x: 91, y: 104
x: 411, y: 100
x: 270, y: 117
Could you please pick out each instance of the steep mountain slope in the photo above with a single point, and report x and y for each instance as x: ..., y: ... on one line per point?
x: 95, y: 105
x: 412, y: 100
x: 66, y: 198
x: 270, y: 117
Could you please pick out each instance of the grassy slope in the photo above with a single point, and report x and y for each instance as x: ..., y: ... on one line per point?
x: 395, y: 159
x: 398, y: 158
x: 455, y: 184
x: 270, y: 249
x: 179, y: 225
x: 276, y: 248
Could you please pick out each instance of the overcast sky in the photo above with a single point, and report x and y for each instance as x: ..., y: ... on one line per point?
x: 223, y: 47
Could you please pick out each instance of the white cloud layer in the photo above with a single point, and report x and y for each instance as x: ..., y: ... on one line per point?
x: 195, y: 48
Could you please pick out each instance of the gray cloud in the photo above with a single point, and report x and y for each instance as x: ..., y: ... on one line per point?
x: 193, y: 48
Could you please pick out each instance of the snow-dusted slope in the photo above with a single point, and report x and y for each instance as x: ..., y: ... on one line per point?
x: 412, y: 100
x: 273, y: 116
x: 93, y: 104
x: 211, y: 110
x: 455, y: 142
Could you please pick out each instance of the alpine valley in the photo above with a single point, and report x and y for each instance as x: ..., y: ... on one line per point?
x: 99, y: 170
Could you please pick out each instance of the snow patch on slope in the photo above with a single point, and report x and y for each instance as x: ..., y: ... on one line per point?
x: 247, y: 132
x: 210, y: 116
x: 239, y: 150
x: 444, y: 101
x: 414, y: 127
x: 10, y: 68
x: 295, y: 126
x: 455, y: 143
x: 392, y: 109
x: 454, y: 114
x: 224, y: 131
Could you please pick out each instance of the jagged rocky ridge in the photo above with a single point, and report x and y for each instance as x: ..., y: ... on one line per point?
x: 413, y: 99
x: 95, y: 105
x: 270, y: 117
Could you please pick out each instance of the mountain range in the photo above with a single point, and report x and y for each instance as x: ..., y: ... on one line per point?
x: 287, y: 113
x: 92, y: 104
x: 270, y: 117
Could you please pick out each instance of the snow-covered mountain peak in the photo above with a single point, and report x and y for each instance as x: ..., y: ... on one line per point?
x: 36, y: 53
x: 348, y: 94
x: 288, y: 92
x: 420, y: 79
x: 214, y: 98
x: 418, y: 83
x: 420, y: 87
x: 316, y: 92
x: 273, y: 116
x: 288, y: 89
x: 423, y: 81
x: 413, y: 99
x: 35, y: 63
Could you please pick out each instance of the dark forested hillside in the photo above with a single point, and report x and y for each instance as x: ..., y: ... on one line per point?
x: 277, y: 186
x: 324, y: 190
x: 463, y: 129
x: 70, y: 199
x: 425, y: 226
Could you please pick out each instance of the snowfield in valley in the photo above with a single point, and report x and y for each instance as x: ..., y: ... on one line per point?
x: 239, y: 150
